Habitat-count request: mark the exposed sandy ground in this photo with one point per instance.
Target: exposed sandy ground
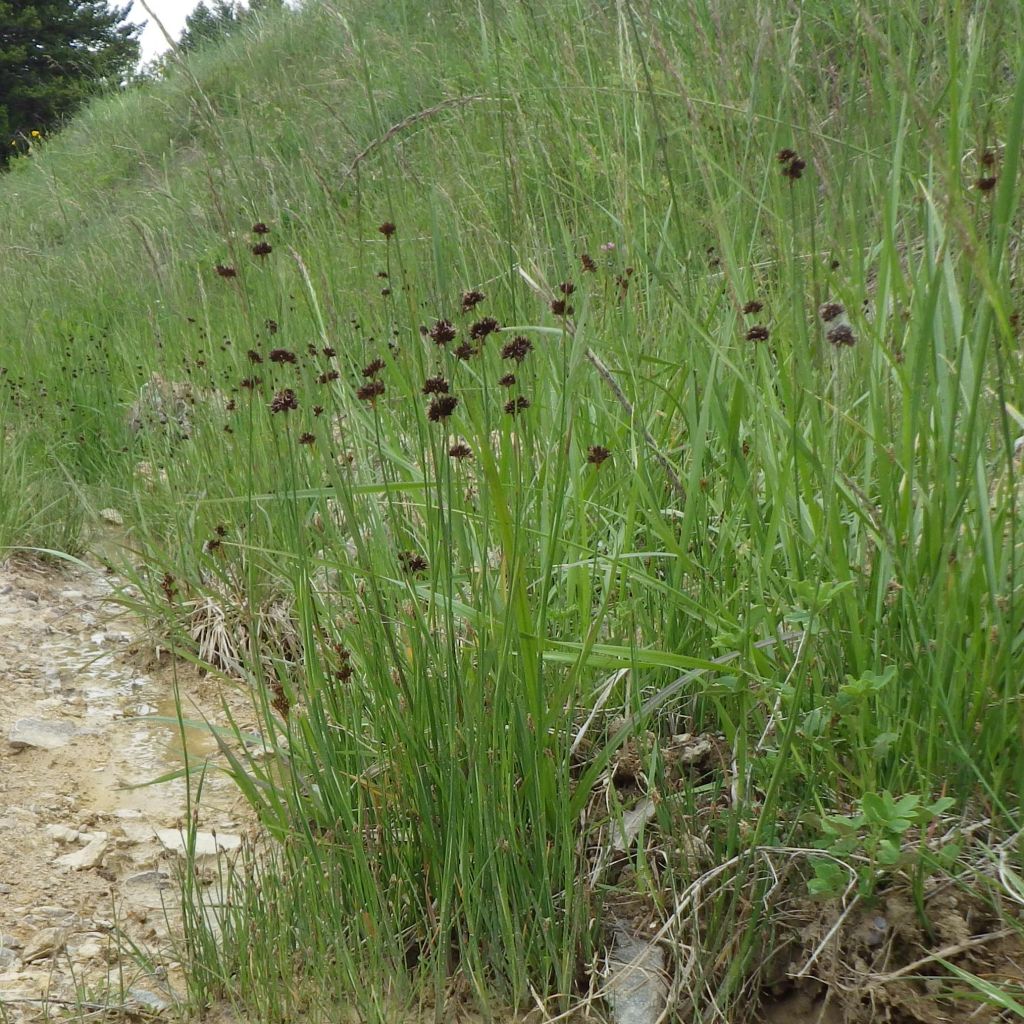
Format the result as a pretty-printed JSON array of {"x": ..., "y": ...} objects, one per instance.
[{"x": 81, "y": 865}]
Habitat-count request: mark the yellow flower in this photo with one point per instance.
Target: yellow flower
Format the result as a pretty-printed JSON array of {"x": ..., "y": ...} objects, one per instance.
[{"x": 35, "y": 134}]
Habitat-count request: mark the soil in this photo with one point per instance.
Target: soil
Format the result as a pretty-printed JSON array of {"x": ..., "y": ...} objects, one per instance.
[{"x": 87, "y": 886}]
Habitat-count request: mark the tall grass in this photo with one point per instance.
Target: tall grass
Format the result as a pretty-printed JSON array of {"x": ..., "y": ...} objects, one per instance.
[{"x": 805, "y": 547}]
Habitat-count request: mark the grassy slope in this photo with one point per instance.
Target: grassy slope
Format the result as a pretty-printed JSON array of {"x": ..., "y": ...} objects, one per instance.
[{"x": 859, "y": 495}]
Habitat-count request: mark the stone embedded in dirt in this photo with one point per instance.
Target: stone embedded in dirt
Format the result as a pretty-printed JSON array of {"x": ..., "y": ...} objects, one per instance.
[
  {"x": 62, "y": 833},
  {"x": 146, "y": 878},
  {"x": 111, "y": 516},
  {"x": 40, "y": 733},
  {"x": 207, "y": 844},
  {"x": 8, "y": 958},
  {"x": 90, "y": 856},
  {"x": 45, "y": 943},
  {"x": 637, "y": 986},
  {"x": 150, "y": 1000}
]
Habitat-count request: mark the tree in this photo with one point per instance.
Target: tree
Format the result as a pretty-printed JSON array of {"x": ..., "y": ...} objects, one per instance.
[
  {"x": 54, "y": 54},
  {"x": 219, "y": 19}
]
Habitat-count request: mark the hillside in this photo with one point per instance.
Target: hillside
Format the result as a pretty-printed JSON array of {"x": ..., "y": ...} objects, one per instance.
[{"x": 589, "y": 434}]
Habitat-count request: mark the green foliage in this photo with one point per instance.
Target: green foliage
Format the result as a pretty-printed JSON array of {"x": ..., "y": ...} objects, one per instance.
[
  {"x": 54, "y": 54},
  {"x": 808, "y": 547}
]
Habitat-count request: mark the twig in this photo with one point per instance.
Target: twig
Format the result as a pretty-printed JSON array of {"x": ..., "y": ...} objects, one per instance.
[{"x": 943, "y": 954}]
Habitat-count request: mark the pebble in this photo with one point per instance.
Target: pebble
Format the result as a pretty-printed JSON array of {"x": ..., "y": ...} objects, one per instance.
[
  {"x": 89, "y": 856},
  {"x": 45, "y": 943}
]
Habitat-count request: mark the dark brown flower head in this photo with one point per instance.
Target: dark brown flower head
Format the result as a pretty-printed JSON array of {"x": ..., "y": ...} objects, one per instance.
[
  {"x": 441, "y": 408},
  {"x": 412, "y": 563},
  {"x": 372, "y": 391},
  {"x": 471, "y": 298},
  {"x": 383, "y": 275},
  {"x": 329, "y": 353},
  {"x": 988, "y": 158},
  {"x": 508, "y": 380},
  {"x": 830, "y": 310},
  {"x": 221, "y": 530},
  {"x": 435, "y": 386},
  {"x": 561, "y": 308},
  {"x": 307, "y": 438},
  {"x": 442, "y": 332},
  {"x": 754, "y": 306},
  {"x": 567, "y": 287},
  {"x": 284, "y": 401},
  {"x": 259, "y": 228},
  {"x": 327, "y": 376},
  {"x": 168, "y": 587},
  {"x": 250, "y": 383},
  {"x": 282, "y": 356},
  {"x": 372, "y": 368},
  {"x": 230, "y": 405},
  {"x": 841, "y": 335},
  {"x": 480, "y": 330},
  {"x": 986, "y": 184},
  {"x": 271, "y": 326},
  {"x": 795, "y": 168},
  {"x": 518, "y": 348},
  {"x": 465, "y": 351},
  {"x": 514, "y": 406},
  {"x": 318, "y": 410},
  {"x": 387, "y": 229},
  {"x": 385, "y": 292},
  {"x": 460, "y": 451},
  {"x": 224, "y": 271},
  {"x": 597, "y": 453},
  {"x": 588, "y": 265},
  {"x": 262, "y": 249},
  {"x": 253, "y": 356},
  {"x": 785, "y": 155},
  {"x": 757, "y": 333}
]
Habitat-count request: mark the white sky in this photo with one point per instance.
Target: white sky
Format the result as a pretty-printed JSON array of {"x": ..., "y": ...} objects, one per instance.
[{"x": 171, "y": 12}]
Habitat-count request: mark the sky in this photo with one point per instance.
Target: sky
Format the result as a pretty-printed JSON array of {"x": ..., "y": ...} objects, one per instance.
[{"x": 171, "y": 12}]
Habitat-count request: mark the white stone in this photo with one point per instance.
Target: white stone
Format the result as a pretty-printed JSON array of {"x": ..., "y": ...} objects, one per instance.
[
  {"x": 89, "y": 856},
  {"x": 38, "y": 732},
  {"x": 207, "y": 844}
]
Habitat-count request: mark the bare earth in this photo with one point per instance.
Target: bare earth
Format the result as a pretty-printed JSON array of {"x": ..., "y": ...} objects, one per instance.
[{"x": 82, "y": 867}]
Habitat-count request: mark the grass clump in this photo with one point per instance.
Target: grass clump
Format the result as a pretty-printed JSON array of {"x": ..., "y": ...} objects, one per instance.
[{"x": 599, "y": 461}]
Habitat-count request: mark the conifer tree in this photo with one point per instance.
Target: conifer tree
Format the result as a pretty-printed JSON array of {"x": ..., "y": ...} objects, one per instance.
[{"x": 54, "y": 54}]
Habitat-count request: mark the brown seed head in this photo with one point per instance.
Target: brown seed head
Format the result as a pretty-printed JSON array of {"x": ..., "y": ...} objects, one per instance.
[
  {"x": 471, "y": 299},
  {"x": 441, "y": 408},
  {"x": 757, "y": 333},
  {"x": 442, "y": 332},
  {"x": 483, "y": 327},
  {"x": 754, "y": 306},
  {"x": 387, "y": 229},
  {"x": 435, "y": 386},
  {"x": 284, "y": 401},
  {"x": 597, "y": 453},
  {"x": 830, "y": 310},
  {"x": 841, "y": 335},
  {"x": 372, "y": 391}
]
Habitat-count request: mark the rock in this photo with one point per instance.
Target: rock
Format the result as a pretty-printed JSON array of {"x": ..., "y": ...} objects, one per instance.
[
  {"x": 8, "y": 958},
  {"x": 148, "y": 999},
  {"x": 5, "y": 889},
  {"x": 40, "y": 733},
  {"x": 62, "y": 833},
  {"x": 207, "y": 844},
  {"x": 637, "y": 986},
  {"x": 145, "y": 879},
  {"x": 90, "y": 856},
  {"x": 45, "y": 943},
  {"x": 72, "y": 595},
  {"x": 111, "y": 516},
  {"x": 91, "y": 949}
]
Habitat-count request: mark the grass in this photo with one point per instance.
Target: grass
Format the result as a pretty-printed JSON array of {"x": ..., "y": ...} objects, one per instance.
[{"x": 804, "y": 550}]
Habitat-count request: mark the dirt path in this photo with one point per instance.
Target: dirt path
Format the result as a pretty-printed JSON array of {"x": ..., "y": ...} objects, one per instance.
[{"x": 84, "y": 862}]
